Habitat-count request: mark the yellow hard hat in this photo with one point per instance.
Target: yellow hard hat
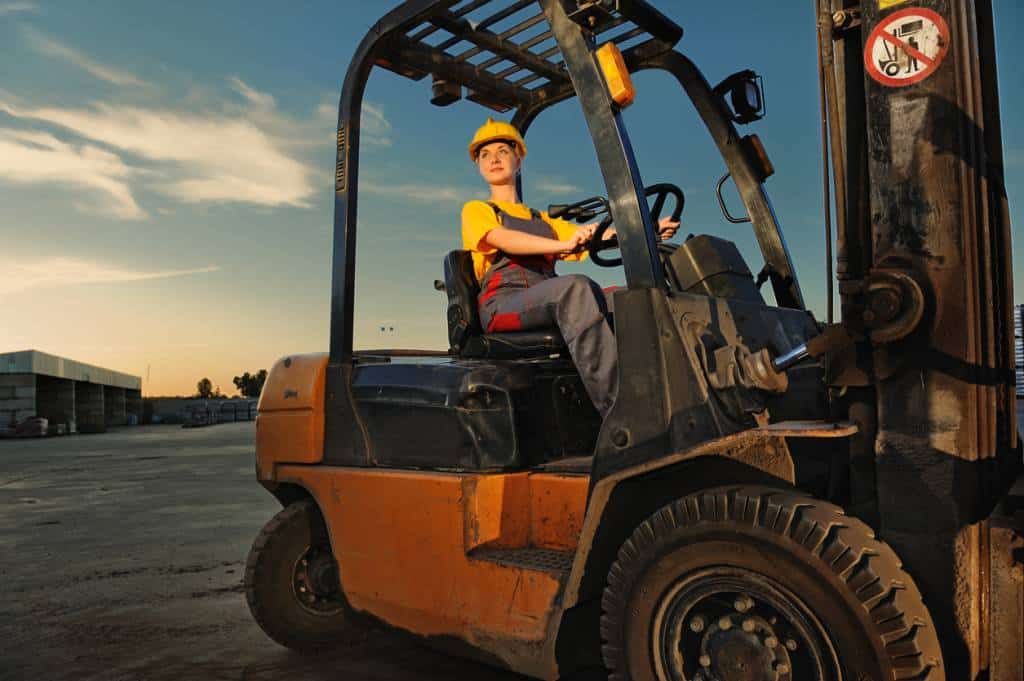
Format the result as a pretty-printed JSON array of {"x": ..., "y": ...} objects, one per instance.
[{"x": 497, "y": 131}]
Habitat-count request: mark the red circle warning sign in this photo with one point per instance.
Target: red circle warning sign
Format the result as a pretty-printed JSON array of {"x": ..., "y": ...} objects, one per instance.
[{"x": 906, "y": 47}]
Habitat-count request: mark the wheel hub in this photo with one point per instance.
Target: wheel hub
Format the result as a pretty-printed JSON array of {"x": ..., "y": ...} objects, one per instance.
[
  {"x": 729, "y": 624},
  {"x": 315, "y": 582},
  {"x": 745, "y": 649}
]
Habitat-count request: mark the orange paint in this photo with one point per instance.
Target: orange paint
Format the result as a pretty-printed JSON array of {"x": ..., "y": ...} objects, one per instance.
[
  {"x": 402, "y": 540},
  {"x": 557, "y": 506},
  {"x": 290, "y": 419}
]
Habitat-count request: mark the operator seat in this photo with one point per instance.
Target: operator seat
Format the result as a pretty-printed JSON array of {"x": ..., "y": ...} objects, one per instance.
[{"x": 465, "y": 336}]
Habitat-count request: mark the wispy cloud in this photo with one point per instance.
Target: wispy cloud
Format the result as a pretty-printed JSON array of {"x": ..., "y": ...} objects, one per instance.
[
  {"x": 555, "y": 188},
  {"x": 15, "y": 7},
  {"x": 420, "y": 192},
  {"x": 204, "y": 156},
  {"x": 49, "y": 47},
  {"x": 49, "y": 272},
  {"x": 34, "y": 157},
  {"x": 260, "y": 100},
  {"x": 375, "y": 127}
]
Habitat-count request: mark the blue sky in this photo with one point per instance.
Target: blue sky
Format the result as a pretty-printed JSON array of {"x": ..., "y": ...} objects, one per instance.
[{"x": 166, "y": 173}]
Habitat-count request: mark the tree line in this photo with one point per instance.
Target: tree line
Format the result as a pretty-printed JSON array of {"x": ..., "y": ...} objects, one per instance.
[{"x": 249, "y": 385}]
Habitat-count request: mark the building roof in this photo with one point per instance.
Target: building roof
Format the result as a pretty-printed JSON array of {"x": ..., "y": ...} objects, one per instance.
[{"x": 35, "y": 362}]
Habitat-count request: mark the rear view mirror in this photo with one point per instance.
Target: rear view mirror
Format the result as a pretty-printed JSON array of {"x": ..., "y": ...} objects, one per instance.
[{"x": 743, "y": 94}]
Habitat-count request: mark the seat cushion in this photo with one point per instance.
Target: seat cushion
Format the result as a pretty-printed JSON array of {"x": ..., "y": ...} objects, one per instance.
[{"x": 518, "y": 345}]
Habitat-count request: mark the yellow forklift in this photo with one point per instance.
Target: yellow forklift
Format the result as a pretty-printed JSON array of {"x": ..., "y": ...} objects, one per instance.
[{"x": 771, "y": 497}]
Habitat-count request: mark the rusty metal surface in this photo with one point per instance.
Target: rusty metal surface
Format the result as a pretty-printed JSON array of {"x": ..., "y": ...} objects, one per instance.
[
  {"x": 944, "y": 446},
  {"x": 122, "y": 557},
  {"x": 1007, "y": 595}
]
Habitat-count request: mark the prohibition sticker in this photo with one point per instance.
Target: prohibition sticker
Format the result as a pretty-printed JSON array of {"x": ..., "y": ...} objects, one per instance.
[{"x": 906, "y": 47}]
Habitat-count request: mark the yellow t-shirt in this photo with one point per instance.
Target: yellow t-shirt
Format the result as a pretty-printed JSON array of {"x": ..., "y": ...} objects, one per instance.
[{"x": 478, "y": 218}]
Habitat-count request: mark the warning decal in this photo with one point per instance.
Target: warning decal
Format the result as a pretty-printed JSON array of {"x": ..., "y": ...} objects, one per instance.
[{"x": 906, "y": 47}]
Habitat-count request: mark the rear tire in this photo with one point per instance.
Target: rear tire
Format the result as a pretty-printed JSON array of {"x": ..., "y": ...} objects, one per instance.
[
  {"x": 759, "y": 584},
  {"x": 292, "y": 584}
]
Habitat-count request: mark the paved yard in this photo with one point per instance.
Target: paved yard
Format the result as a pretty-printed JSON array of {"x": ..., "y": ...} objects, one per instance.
[{"x": 121, "y": 557}]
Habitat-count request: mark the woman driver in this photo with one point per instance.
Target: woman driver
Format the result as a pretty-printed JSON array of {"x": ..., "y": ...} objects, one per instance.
[{"x": 514, "y": 252}]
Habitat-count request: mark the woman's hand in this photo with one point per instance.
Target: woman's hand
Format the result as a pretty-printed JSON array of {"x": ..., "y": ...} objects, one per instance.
[
  {"x": 667, "y": 228},
  {"x": 580, "y": 238}
]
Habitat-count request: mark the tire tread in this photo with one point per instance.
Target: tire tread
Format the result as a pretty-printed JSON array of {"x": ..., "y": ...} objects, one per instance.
[{"x": 824, "y": 534}]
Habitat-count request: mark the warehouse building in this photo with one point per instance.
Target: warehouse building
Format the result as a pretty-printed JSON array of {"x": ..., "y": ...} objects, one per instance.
[{"x": 72, "y": 396}]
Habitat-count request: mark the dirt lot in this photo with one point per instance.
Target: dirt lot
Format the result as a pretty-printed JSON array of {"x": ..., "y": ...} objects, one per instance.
[{"x": 121, "y": 558}]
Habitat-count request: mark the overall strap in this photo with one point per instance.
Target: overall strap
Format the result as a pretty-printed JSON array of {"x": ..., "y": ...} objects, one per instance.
[{"x": 498, "y": 212}]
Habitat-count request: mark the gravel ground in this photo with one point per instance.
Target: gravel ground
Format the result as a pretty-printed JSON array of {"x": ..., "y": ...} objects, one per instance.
[{"x": 121, "y": 558}]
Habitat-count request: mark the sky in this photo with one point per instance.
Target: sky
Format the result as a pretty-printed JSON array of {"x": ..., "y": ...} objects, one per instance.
[{"x": 166, "y": 174}]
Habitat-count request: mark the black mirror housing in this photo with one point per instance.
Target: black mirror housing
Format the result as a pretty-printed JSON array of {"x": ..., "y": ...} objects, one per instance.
[{"x": 743, "y": 94}]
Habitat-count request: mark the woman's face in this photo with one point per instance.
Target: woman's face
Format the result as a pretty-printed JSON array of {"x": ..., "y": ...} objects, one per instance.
[{"x": 498, "y": 163}]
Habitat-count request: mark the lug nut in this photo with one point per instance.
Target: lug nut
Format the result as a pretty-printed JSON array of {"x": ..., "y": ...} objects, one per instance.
[
  {"x": 725, "y": 624},
  {"x": 749, "y": 625},
  {"x": 743, "y": 603},
  {"x": 771, "y": 642},
  {"x": 790, "y": 644},
  {"x": 697, "y": 624},
  {"x": 705, "y": 661}
]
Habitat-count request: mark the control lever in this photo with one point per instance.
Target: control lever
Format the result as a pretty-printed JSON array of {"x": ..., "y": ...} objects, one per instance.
[{"x": 829, "y": 340}]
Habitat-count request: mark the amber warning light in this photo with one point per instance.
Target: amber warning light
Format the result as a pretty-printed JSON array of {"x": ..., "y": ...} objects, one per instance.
[{"x": 616, "y": 75}]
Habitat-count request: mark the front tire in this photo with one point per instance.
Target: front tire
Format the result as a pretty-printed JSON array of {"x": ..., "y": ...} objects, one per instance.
[
  {"x": 292, "y": 584},
  {"x": 761, "y": 584}
]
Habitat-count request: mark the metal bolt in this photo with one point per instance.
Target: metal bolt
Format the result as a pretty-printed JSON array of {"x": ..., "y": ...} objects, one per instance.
[
  {"x": 305, "y": 563},
  {"x": 725, "y": 624},
  {"x": 782, "y": 668},
  {"x": 771, "y": 642},
  {"x": 743, "y": 603},
  {"x": 302, "y": 589},
  {"x": 620, "y": 438},
  {"x": 749, "y": 625},
  {"x": 839, "y": 19},
  {"x": 705, "y": 661},
  {"x": 790, "y": 644},
  {"x": 697, "y": 624}
]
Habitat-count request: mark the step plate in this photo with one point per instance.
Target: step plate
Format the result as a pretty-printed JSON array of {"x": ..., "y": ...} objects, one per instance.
[{"x": 543, "y": 560}]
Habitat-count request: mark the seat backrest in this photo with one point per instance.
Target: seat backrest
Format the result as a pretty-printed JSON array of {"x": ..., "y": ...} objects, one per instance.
[{"x": 463, "y": 289}]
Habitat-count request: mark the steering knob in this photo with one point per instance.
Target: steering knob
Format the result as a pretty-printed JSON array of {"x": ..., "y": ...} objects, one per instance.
[{"x": 660, "y": 192}]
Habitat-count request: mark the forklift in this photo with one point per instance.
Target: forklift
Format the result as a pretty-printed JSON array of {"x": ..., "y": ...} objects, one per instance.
[{"x": 771, "y": 497}]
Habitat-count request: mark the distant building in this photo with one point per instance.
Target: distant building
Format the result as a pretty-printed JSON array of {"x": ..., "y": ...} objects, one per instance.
[
  {"x": 1018, "y": 344},
  {"x": 72, "y": 396}
]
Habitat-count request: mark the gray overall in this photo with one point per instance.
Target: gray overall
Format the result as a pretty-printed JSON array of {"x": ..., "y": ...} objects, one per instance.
[{"x": 523, "y": 293}]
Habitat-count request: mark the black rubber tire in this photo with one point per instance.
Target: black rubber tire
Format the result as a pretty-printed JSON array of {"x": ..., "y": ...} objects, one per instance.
[
  {"x": 269, "y": 589},
  {"x": 853, "y": 583}
]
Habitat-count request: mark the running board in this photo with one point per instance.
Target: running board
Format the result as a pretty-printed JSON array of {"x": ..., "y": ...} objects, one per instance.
[{"x": 541, "y": 560}]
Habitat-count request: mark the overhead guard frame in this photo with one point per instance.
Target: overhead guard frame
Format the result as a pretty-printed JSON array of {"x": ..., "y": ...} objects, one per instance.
[{"x": 501, "y": 74}]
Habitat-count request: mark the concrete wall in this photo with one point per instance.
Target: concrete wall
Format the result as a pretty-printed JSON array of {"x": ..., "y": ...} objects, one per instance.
[
  {"x": 89, "y": 409},
  {"x": 55, "y": 401},
  {"x": 184, "y": 410},
  {"x": 17, "y": 398}
]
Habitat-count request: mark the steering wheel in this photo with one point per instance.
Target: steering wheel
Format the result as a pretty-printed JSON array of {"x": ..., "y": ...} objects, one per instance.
[{"x": 660, "y": 191}]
